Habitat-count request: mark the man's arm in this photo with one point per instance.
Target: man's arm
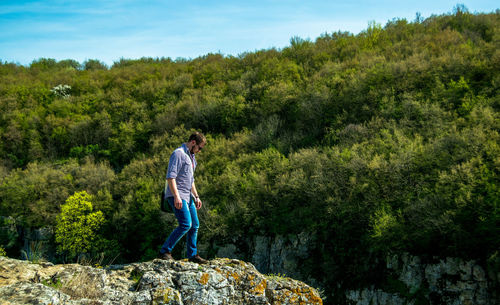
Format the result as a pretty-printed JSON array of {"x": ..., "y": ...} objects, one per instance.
[
  {"x": 173, "y": 188},
  {"x": 197, "y": 200}
]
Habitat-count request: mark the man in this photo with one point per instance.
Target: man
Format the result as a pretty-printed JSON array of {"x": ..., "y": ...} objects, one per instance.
[{"x": 183, "y": 197}]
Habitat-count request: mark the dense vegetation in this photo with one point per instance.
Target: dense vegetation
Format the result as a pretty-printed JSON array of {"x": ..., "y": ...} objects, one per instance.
[{"x": 379, "y": 142}]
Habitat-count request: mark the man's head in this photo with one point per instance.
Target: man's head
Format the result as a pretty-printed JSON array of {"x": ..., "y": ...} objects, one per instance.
[{"x": 196, "y": 142}]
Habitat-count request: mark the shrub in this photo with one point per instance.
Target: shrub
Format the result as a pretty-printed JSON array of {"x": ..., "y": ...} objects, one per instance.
[{"x": 77, "y": 225}]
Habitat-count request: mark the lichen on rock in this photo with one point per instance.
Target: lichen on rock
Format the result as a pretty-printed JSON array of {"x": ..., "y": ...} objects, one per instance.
[{"x": 222, "y": 281}]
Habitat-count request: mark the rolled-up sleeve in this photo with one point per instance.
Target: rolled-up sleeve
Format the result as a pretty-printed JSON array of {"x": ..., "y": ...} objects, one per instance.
[{"x": 174, "y": 165}]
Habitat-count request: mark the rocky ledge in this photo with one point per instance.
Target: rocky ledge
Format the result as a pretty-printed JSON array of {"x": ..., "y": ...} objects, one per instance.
[{"x": 222, "y": 281}]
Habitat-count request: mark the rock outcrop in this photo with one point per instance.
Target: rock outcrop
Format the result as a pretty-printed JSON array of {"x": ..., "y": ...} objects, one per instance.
[
  {"x": 407, "y": 279},
  {"x": 447, "y": 281},
  {"x": 280, "y": 254},
  {"x": 222, "y": 281}
]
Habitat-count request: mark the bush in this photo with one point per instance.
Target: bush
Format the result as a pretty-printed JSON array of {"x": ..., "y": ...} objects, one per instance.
[{"x": 77, "y": 229}]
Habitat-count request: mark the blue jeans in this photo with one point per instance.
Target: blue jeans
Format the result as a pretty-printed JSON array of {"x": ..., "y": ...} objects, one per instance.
[{"x": 188, "y": 223}]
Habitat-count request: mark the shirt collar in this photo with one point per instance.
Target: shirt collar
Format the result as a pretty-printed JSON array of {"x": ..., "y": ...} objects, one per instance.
[
  {"x": 186, "y": 150},
  {"x": 191, "y": 156},
  {"x": 184, "y": 146}
]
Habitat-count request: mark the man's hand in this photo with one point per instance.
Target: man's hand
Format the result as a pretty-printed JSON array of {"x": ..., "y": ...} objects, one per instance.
[
  {"x": 198, "y": 203},
  {"x": 178, "y": 202}
]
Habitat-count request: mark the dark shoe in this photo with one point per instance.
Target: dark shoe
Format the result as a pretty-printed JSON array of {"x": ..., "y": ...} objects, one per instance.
[
  {"x": 197, "y": 259},
  {"x": 166, "y": 256}
]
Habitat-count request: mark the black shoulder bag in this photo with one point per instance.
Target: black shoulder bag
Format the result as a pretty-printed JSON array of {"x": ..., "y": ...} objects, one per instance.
[{"x": 164, "y": 205}]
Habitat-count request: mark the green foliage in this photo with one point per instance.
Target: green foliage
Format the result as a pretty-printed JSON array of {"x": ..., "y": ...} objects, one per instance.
[
  {"x": 77, "y": 229},
  {"x": 383, "y": 222},
  {"x": 9, "y": 236},
  {"x": 94, "y": 64},
  {"x": 34, "y": 195},
  {"x": 53, "y": 282},
  {"x": 277, "y": 277},
  {"x": 136, "y": 277},
  {"x": 2, "y": 251},
  {"x": 35, "y": 253},
  {"x": 44, "y": 64}
]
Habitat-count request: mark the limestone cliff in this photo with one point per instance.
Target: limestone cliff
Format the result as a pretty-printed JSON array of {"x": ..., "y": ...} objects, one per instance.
[
  {"x": 222, "y": 281},
  {"x": 445, "y": 281}
]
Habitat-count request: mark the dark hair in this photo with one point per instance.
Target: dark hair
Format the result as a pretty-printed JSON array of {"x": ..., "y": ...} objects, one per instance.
[{"x": 198, "y": 137}]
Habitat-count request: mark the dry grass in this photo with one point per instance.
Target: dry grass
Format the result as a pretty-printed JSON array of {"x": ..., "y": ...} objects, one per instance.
[{"x": 84, "y": 284}]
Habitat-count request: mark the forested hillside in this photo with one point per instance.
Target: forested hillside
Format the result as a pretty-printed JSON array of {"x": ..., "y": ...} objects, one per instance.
[{"x": 385, "y": 141}]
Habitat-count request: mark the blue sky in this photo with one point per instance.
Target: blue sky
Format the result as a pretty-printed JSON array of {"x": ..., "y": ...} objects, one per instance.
[{"x": 108, "y": 30}]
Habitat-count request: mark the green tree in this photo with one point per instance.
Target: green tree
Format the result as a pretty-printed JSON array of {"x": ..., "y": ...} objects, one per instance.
[
  {"x": 94, "y": 64},
  {"x": 77, "y": 229}
]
